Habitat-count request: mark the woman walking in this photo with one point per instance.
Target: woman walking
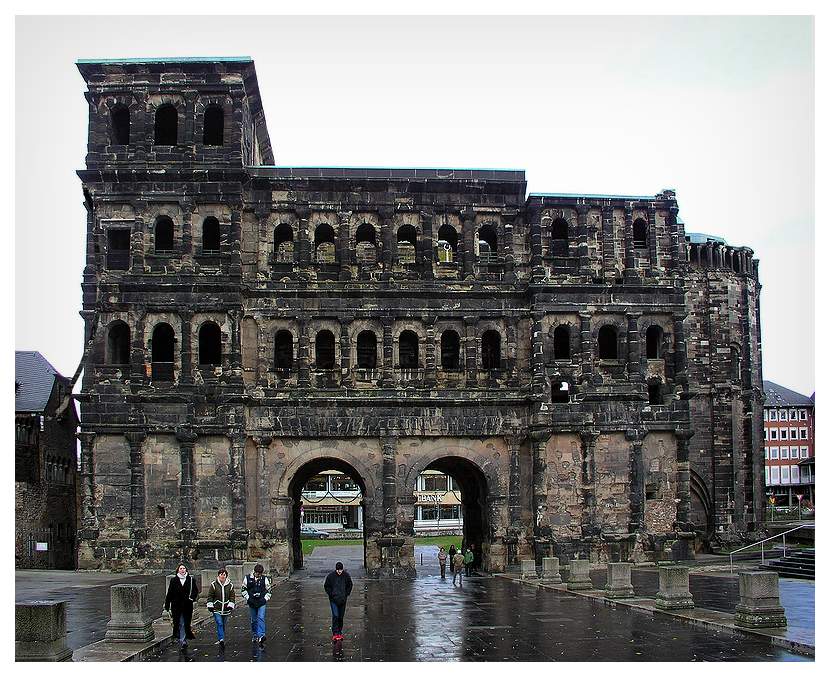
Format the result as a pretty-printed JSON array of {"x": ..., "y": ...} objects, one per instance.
[
  {"x": 452, "y": 558},
  {"x": 442, "y": 561},
  {"x": 181, "y": 594},
  {"x": 221, "y": 600}
]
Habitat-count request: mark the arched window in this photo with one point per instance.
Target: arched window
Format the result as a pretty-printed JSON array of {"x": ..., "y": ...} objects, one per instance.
[
  {"x": 210, "y": 344},
  {"x": 736, "y": 262},
  {"x": 447, "y": 244},
  {"x": 324, "y": 350},
  {"x": 164, "y": 234},
  {"x": 365, "y": 244},
  {"x": 559, "y": 237},
  {"x": 562, "y": 342},
  {"x": 167, "y": 125},
  {"x": 655, "y": 393},
  {"x": 283, "y": 350},
  {"x": 324, "y": 244},
  {"x": 407, "y": 238},
  {"x": 367, "y": 350},
  {"x": 640, "y": 233},
  {"x": 487, "y": 244},
  {"x": 161, "y": 352},
  {"x": 284, "y": 243},
  {"x": 121, "y": 125},
  {"x": 607, "y": 342},
  {"x": 560, "y": 392},
  {"x": 118, "y": 343},
  {"x": 408, "y": 349},
  {"x": 450, "y": 350},
  {"x": 654, "y": 340},
  {"x": 214, "y": 126},
  {"x": 491, "y": 350},
  {"x": 210, "y": 235}
]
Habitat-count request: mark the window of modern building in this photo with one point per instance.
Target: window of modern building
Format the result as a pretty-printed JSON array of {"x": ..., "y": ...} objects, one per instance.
[
  {"x": 324, "y": 250},
  {"x": 794, "y": 474},
  {"x": 640, "y": 231},
  {"x": 118, "y": 343},
  {"x": 214, "y": 131},
  {"x": 802, "y": 414},
  {"x": 451, "y": 512},
  {"x": 120, "y": 125},
  {"x": 118, "y": 249},
  {"x": 434, "y": 482},
  {"x": 766, "y": 453},
  {"x": 766, "y": 475},
  {"x": 654, "y": 341},
  {"x": 317, "y": 483},
  {"x": 167, "y": 126},
  {"x": 773, "y": 453},
  {"x": 408, "y": 350},
  {"x": 805, "y": 452},
  {"x": 562, "y": 342},
  {"x": 210, "y": 344},
  {"x": 785, "y": 453},
  {"x": 793, "y": 433},
  {"x": 793, "y": 414},
  {"x": 450, "y": 350},
  {"x": 785, "y": 474},
  {"x": 559, "y": 237},
  {"x": 164, "y": 234},
  {"x": 773, "y": 433},
  {"x": 407, "y": 238},
  {"x": 210, "y": 235},
  {"x": 284, "y": 243},
  {"x": 782, "y": 414},
  {"x": 491, "y": 350},
  {"x": 607, "y": 342},
  {"x": 324, "y": 350},
  {"x": 283, "y": 350},
  {"x": 367, "y": 350},
  {"x": 366, "y": 244},
  {"x": 775, "y": 474},
  {"x": 341, "y": 482},
  {"x": 782, "y": 434},
  {"x": 773, "y": 415}
]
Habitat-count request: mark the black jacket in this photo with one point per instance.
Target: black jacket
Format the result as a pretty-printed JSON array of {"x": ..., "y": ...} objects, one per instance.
[
  {"x": 179, "y": 595},
  {"x": 338, "y": 587}
]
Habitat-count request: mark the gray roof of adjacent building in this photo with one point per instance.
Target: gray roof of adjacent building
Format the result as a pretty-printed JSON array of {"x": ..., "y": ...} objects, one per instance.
[
  {"x": 779, "y": 396},
  {"x": 34, "y": 379}
]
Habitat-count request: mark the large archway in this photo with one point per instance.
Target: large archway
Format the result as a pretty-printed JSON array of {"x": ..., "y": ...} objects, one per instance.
[{"x": 301, "y": 477}]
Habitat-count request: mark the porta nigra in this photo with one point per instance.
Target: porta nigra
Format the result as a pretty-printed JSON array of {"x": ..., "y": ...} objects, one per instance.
[{"x": 587, "y": 371}]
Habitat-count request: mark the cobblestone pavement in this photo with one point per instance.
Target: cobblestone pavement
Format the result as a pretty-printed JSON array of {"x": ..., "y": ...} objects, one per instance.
[{"x": 428, "y": 619}]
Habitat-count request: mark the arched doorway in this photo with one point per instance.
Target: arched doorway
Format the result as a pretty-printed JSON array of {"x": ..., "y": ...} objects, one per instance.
[
  {"x": 320, "y": 467},
  {"x": 471, "y": 484}
]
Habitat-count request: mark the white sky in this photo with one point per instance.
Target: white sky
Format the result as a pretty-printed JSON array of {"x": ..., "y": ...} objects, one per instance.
[{"x": 719, "y": 108}]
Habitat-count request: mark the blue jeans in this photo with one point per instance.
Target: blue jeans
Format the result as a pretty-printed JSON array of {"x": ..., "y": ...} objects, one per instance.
[
  {"x": 182, "y": 631},
  {"x": 220, "y": 625},
  {"x": 257, "y": 621},
  {"x": 338, "y": 611}
]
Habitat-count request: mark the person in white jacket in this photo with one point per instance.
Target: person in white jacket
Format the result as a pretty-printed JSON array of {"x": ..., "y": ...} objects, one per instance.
[
  {"x": 257, "y": 591},
  {"x": 221, "y": 600}
]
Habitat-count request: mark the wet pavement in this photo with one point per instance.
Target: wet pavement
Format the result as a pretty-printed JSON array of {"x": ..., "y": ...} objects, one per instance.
[{"x": 488, "y": 619}]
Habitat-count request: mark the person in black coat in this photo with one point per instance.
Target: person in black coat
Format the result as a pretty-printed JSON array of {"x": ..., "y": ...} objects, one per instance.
[
  {"x": 182, "y": 592},
  {"x": 338, "y": 587}
]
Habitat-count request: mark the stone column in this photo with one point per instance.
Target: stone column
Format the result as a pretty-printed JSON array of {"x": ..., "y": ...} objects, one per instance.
[
  {"x": 630, "y": 271},
  {"x": 467, "y": 242},
  {"x": 608, "y": 254},
  {"x": 683, "y": 483},
  {"x": 509, "y": 259},
  {"x": 235, "y": 242},
  {"x": 130, "y": 617},
  {"x": 187, "y": 233},
  {"x": 636, "y": 481},
  {"x": 138, "y": 520},
  {"x": 680, "y": 358},
  {"x": 585, "y": 345},
  {"x": 138, "y": 370},
  {"x": 387, "y": 238},
  {"x": 263, "y": 504},
  {"x": 537, "y": 268},
  {"x": 187, "y": 440},
  {"x": 677, "y": 246},
  {"x": 186, "y": 376},
  {"x": 426, "y": 247},
  {"x": 390, "y": 485},
  {"x": 345, "y": 245},
  {"x": 387, "y": 379},
  {"x": 634, "y": 373},
  {"x": 235, "y": 318},
  {"x": 514, "y": 501},
  {"x": 550, "y": 570},
  {"x": 89, "y": 520},
  {"x": 510, "y": 354},
  {"x": 652, "y": 243},
  {"x": 759, "y": 605},
  {"x": 588, "y": 439},
  {"x": 618, "y": 585},
  {"x": 471, "y": 350},
  {"x": 305, "y": 239},
  {"x": 345, "y": 351},
  {"x": 40, "y": 632},
  {"x": 538, "y": 380},
  {"x": 582, "y": 250},
  {"x": 674, "y": 589},
  {"x": 579, "y": 577},
  {"x": 137, "y": 242},
  {"x": 303, "y": 370},
  {"x": 540, "y": 466},
  {"x": 430, "y": 367},
  {"x": 237, "y": 482}
]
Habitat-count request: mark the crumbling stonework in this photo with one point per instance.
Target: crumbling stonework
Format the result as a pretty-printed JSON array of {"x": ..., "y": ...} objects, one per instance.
[{"x": 554, "y": 353}]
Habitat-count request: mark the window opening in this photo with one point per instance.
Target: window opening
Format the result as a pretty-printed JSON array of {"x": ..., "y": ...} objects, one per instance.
[
  {"x": 655, "y": 393},
  {"x": 559, "y": 237},
  {"x": 164, "y": 234},
  {"x": 487, "y": 244},
  {"x": 210, "y": 235},
  {"x": 640, "y": 233},
  {"x": 407, "y": 238},
  {"x": 121, "y": 125},
  {"x": 491, "y": 350},
  {"x": 562, "y": 342},
  {"x": 118, "y": 343},
  {"x": 214, "y": 126},
  {"x": 210, "y": 344},
  {"x": 607, "y": 342},
  {"x": 560, "y": 392},
  {"x": 450, "y": 350},
  {"x": 324, "y": 243},
  {"x": 408, "y": 350},
  {"x": 324, "y": 350},
  {"x": 118, "y": 249},
  {"x": 283, "y": 350},
  {"x": 447, "y": 243},
  {"x": 167, "y": 123},
  {"x": 367, "y": 350},
  {"x": 284, "y": 243},
  {"x": 654, "y": 339}
]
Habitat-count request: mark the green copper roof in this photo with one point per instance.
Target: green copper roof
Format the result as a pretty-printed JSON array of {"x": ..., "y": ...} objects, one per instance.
[{"x": 171, "y": 59}]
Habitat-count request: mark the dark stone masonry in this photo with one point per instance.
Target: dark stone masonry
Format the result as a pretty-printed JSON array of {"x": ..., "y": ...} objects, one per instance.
[{"x": 587, "y": 371}]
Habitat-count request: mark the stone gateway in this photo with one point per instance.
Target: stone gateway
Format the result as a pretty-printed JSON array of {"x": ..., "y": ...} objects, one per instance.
[{"x": 587, "y": 371}]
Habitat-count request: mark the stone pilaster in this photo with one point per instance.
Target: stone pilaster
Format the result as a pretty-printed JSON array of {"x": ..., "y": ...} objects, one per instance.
[
  {"x": 633, "y": 336},
  {"x": 386, "y": 235},
  {"x": 683, "y": 481},
  {"x": 430, "y": 368},
  {"x": 652, "y": 242},
  {"x": 471, "y": 350},
  {"x": 588, "y": 439},
  {"x": 345, "y": 351},
  {"x": 540, "y": 466},
  {"x": 586, "y": 354},
  {"x": 89, "y": 518},
  {"x": 608, "y": 250},
  {"x": 186, "y": 376},
  {"x": 509, "y": 258},
  {"x": 537, "y": 268},
  {"x": 390, "y": 486},
  {"x": 303, "y": 369},
  {"x": 138, "y": 371},
  {"x": 187, "y": 440},
  {"x": 137, "y": 243},
  {"x": 514, "y": 501},
  {"x": 138, "y": 520},
  {"x": 237, "y": 482},
  {"x": 636, "y": 481},
  {"x": 305, "y": 239},
  {"x": 630, "y": 272},
  {"x": 263, "y": 503},
  {"x": 582, "y": 250},
  {"x": 235, "y": 241},
  {"x": 426, "y": 252},
  {"x": 345, "y": 246},
  {"x": 387, "y": 375}
]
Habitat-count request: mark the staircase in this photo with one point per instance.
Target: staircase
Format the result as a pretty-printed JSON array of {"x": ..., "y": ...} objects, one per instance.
[{"x": 798, "y": 564}]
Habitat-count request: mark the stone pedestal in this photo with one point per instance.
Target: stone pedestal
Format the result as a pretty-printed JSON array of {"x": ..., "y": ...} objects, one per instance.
[
  {"x": 674, "y": 589},
  {"x": 529, "y": 568},
  {"x": 550, "y": 570},
  {"x": 579, "y": 577},
  {"x": 130, "y": 617},
  {"x": 618, "y": 583},
  {"x": 759, "y": 605},
  {"x": 40, "y": 632}
]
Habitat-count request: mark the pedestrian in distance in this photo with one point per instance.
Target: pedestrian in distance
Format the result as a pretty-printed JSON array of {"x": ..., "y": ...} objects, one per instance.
[
  {"x": 452, "y": 557},
  {"x": 468, "y": 561},
  {"x": 458, "y": 568},
  {"x": 182, "y": 592},
  {"x": 257, "y": 591},
  {"x": 338, "y": 587},
  {"x": 442, "y": 561},
  {"x": 221, "y": 600}
]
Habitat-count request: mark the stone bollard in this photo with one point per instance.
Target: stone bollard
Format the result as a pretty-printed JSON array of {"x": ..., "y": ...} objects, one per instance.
[
  {"x": 529, "y": 568},
  {"x": 130, "y": 617},
  {"x": 618, "y": 583},
  {"x": 674, "y": 589},
  {"x": 759, "y": 605},
  {"x": 550, "y": 570},
  {"x": 579, "y": 578},
  {"x": 40, "y": 632}
]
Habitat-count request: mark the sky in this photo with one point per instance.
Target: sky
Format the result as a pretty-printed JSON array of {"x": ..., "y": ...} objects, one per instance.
[{"x": 721, "y": 109}]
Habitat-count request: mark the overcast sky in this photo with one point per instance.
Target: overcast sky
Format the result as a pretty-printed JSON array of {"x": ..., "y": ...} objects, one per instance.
[{"x": 720, "y": 109}]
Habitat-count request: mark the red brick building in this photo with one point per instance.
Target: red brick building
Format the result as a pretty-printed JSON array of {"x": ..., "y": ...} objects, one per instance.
[{"x": 789, "y": 447}]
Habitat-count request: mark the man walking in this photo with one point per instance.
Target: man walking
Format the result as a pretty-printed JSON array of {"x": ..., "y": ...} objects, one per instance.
[
  {"x": 338, "y": 587},
  {"x": 458, "y": 568},
  {"x": 257, "y": 591},
  {"x": 468, "y": 561},
  {"x": 442, "y": 561}
]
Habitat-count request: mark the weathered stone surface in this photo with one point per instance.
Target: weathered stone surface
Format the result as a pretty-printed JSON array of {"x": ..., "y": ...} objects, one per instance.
[
  {"x": 674, "y": 588},
  {"x": 579, "y": 575},
  {"x": 40, "y": 632},
  {"x": 529, "y": 568},
  {"x": 759, "y": 605},
  {"x": 618, "y": 581},
  {"x": 550, "y": 570},
  {"x": 131, "y": 620}
]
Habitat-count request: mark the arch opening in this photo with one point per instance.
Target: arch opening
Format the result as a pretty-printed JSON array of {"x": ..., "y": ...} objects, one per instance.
[
  {"x": 214, "y": 130},
  {"x": 121, "y": 125},
  {"x": 166, "y": 125}
]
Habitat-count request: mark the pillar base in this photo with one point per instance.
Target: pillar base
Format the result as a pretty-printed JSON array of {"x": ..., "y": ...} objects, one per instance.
[{"x": 749, "y": 617}]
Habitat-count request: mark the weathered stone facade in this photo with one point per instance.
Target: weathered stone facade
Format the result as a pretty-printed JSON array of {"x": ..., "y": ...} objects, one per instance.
[{"x": 282, "y": 321}]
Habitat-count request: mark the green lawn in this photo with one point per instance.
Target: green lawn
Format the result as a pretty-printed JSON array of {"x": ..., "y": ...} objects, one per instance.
[{"x": 310, "y": 543}]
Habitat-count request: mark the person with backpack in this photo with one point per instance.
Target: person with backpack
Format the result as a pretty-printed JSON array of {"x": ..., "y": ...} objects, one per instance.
[
  {"x": 257, "y": 591},
  {"x": 338, "y": 587},
  {"x": 221, "y": 600},
  {"x": 182, "y": 592}
]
